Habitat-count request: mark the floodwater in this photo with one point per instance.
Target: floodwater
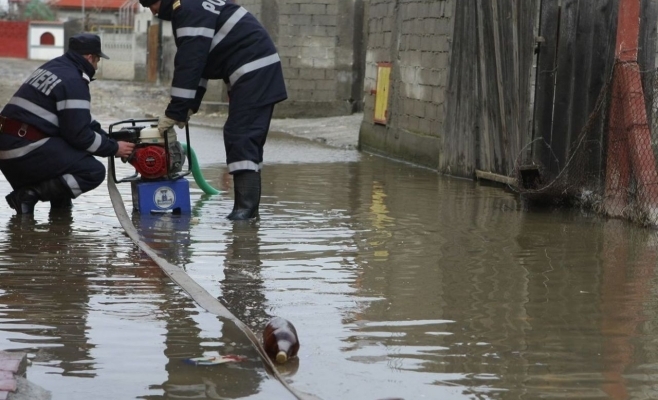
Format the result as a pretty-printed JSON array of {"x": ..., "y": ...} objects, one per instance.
[{"x": 401, "y": 284}]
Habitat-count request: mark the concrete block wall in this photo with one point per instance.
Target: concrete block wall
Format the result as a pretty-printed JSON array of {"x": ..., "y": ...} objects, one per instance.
[
  {"x": 380, "y": 22},
  {"x": 254, "y": 6},
  {"x": 316, "y": 42},
  {"x": 415, "y": 36},
  {"x": 308, "y": 48},
  {"x": 424, "y": 62}
]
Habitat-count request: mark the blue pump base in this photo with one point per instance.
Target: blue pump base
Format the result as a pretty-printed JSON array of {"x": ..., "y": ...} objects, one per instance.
[{"x": 166, "y": 196}]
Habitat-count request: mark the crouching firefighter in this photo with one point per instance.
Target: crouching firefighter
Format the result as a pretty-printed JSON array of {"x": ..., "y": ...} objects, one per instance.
[
  {"x": 48, "y": 138},
  {"x": 218, "y": 39}
]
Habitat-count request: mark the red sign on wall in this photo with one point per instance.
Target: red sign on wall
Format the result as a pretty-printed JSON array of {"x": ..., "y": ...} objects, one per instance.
[{"x": 14, "y": 38}]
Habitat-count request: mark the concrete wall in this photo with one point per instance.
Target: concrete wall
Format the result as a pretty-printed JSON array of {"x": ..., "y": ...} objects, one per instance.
[
  {"x": 319, "y": 43},
  {"x": 415, "y": 36},
  {"x": 142, "y": 21},
  {"x": 37, "y": 51}
]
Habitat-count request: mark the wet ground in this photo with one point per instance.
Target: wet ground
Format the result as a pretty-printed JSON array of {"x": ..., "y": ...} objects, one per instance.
[{"x": 401, "y": 283}]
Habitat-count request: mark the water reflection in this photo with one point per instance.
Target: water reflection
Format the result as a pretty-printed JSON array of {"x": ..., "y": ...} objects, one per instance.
[
  {"x": 45, "y": 293},
  {"x": 185, "y": 339},
  {"x": 628, "y": 262},
  {"x": 401, "y": 283},
  {"x": 242, "y": 286},
  {"x": 169, "y": 235}
]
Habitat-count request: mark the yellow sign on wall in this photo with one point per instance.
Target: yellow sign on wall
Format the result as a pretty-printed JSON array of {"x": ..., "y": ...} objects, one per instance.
[{"x": 381, "y": 93}]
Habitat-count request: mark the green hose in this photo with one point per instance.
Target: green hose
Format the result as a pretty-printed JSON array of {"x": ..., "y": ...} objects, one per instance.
[{"x": 196, "y": 173}]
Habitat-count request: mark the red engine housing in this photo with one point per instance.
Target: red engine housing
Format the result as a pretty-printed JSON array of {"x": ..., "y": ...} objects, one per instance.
[{"x": 150, "y": 161}]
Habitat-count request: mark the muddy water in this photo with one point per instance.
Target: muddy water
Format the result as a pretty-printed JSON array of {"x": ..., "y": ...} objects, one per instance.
[{"x": 401, "y": 283}]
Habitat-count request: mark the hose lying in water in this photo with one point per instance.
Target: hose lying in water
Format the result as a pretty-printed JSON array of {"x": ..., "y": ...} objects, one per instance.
[
  {"x": 204, "y": 299},
  {"x": 196, "y": 173}
]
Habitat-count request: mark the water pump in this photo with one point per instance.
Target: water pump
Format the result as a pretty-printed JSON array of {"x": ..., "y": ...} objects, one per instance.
[
  {"x": 158, "y": 184},
  {"x": 152, "y": 159}
]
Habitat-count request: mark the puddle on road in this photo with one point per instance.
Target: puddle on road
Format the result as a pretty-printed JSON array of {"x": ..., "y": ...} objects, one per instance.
[{"x": 400, "y": 283}]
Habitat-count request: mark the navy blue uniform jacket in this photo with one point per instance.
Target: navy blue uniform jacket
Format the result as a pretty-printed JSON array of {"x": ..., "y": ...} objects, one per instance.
[
  {"x": 216, "y": 39},
  {"x": 55, "y": 99}
]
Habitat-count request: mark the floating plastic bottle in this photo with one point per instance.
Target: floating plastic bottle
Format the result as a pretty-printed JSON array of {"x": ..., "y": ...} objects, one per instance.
[{"x": 280, "y": 340}]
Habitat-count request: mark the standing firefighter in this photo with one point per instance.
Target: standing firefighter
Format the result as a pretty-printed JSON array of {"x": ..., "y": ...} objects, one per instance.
[
  {"x": 48, "y": 137},
  {"x": 217, "y": 39}
]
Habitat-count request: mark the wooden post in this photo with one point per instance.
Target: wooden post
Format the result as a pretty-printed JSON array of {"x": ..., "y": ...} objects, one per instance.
[{"x": 152, "y": 56}]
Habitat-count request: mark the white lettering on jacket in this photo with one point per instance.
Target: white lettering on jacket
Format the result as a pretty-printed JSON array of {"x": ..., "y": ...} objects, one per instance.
[
  {"x": 211, "y": 5},
  {"x": 44, "y": 81}
]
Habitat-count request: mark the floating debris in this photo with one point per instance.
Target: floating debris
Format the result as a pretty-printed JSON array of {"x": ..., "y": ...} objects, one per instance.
[{"x": 214, "y": 358}]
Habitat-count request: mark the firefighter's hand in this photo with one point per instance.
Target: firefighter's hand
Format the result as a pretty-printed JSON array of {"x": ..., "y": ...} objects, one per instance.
[
  {"x": 164, "y": 123},
  {"x": 125, "y": 149}
]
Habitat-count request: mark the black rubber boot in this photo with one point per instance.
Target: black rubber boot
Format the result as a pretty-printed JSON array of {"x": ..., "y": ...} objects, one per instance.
[
  {"x": 60, "y": 220},
  {"x": 63, "y": 204},
  {"x": 24, "y": 199},
  {"x": 246, "y": 186}
]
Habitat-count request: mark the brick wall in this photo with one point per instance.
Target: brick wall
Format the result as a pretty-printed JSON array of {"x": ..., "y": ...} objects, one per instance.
[{"x": 14, "y": 38}]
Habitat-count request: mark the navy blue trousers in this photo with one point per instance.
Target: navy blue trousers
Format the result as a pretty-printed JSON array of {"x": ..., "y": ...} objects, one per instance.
[
  {"x": 245, "y": 132},
  {"x": 78, "y": 170}
]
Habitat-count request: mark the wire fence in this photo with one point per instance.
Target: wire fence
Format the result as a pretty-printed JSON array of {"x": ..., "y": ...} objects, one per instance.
[{"x": 611, "y": 167}]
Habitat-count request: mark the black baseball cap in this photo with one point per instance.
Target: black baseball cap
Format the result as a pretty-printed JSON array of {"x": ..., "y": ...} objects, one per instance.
[{"x": 86, "y": 43}]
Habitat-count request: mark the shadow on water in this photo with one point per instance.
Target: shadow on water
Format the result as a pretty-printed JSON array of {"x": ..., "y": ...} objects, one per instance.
[
  {"x": 82, "y": 309},
  {"x": 401, "y": 283}
]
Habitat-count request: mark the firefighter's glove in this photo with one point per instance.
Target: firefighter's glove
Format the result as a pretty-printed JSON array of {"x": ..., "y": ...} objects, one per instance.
[{"x": 164, "y": 123}]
